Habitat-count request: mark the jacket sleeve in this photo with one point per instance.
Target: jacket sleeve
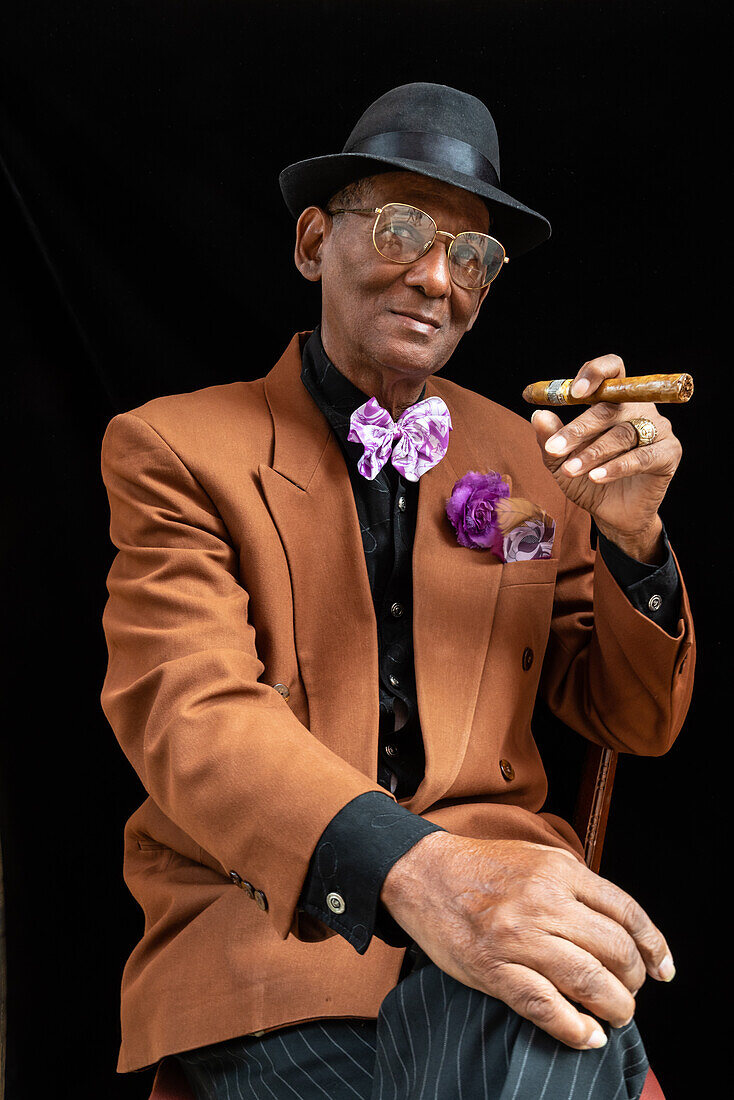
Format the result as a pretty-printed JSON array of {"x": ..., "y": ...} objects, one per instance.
[
  {"x": 217, "y": 750},
  {"x": 611, "y": 672}
]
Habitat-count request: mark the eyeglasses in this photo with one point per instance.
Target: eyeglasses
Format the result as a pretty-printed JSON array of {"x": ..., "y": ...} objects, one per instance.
[{"x": 404, "y": 233}]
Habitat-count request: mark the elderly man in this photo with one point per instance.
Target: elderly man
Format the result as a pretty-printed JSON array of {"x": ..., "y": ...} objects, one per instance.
[{"x": 324, "y": 651}]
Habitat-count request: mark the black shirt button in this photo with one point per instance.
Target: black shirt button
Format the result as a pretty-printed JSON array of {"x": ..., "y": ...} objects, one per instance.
[
  {"x": 394, "y": 681},
  {"x": 527, "y": 658},
  {"x": 402, "y": 503},
  {"x": 392, "y": 750},
  {"x": 397, "y": 610},
  {"x": 507, "y": 770}
]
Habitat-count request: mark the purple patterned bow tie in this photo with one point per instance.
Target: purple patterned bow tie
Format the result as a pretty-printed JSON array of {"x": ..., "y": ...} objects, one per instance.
[{"x": 420, "y": 437}]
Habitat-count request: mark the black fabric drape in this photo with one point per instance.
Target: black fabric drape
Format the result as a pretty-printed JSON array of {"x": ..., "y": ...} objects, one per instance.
[{"x": 146, "y": 250}]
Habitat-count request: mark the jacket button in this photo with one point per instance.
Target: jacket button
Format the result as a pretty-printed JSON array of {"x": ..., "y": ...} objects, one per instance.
[
  {"x": 243, "y": 884},
  {"x": 527, "y": 658},
  {"x": 282, "y": 690},
  {"x": 336, "y": 902},
  {"x": 507, "y": 770},
  {"x": 260, "y": 900}
]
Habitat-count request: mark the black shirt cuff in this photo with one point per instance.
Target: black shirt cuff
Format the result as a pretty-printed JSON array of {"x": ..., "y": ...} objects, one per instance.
[
  {"x": 654, "y": 590},
  {"x": 350, "y": 863}
]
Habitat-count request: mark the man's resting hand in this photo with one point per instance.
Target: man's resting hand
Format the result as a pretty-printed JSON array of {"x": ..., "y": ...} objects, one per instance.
[{"x": 530, "y": 925}]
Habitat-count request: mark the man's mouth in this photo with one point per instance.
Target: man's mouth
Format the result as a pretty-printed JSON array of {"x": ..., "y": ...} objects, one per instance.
[{"x": 422, "y": 322}]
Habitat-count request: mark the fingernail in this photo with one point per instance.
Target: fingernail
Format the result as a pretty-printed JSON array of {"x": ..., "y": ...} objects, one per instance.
[
  {"x": 666, "y": 970},
  {"x": 534, "y": 415},
  {"x": 597, "y": 1039},
  {"x": 599, "y": 474},
  {"x": 580, "y": 387},
  {"x": 556, "y": 445},
  {"x": 573, "y": 465}
]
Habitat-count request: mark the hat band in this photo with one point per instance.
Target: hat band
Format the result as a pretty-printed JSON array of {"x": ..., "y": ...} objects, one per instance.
[{"x": 436, "y": 149}]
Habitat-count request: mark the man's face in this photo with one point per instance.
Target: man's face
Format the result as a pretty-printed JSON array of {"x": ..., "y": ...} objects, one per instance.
[{"x": 403, "y": 320}]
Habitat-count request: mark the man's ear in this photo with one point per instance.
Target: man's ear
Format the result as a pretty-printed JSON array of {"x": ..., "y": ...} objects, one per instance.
[
  {"x": 312, "y": 229},
  {"x": 482, "y": 295}
]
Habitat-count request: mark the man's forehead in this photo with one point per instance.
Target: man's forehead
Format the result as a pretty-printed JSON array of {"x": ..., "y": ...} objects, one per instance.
[{"x": 404, "y": 186}]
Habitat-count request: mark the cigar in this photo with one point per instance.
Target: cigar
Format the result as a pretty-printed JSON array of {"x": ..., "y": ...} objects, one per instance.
[{"x": 675, "y": 388}]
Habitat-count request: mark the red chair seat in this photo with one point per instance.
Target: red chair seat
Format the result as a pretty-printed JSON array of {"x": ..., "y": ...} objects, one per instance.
[
  {"x": 651, "y": 1089},
  {"x": 170, "y": 1082}
]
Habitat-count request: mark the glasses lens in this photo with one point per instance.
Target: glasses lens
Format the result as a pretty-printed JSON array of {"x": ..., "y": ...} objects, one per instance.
[
  {"x": 475, "y": 259},
  {"x": 403, "y": 233}
]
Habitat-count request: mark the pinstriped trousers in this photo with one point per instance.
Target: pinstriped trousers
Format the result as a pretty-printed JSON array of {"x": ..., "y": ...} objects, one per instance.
[{"x": 434, "y": 1039}]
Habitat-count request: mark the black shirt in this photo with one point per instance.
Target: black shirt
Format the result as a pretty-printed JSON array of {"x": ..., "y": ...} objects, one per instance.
[
  {"x": 386, "y": 508},
  {"x": 369, "y": 835}
]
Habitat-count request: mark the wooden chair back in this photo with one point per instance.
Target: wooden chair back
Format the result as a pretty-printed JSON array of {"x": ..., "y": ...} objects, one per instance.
[{"x": 593, "y": 801}]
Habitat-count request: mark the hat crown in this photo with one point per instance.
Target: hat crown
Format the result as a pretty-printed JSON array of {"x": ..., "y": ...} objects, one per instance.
[{"x": 431, "y": 109}]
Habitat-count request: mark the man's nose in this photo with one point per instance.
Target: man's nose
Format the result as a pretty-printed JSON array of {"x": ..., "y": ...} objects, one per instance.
[{"x": 431, "y": 271}]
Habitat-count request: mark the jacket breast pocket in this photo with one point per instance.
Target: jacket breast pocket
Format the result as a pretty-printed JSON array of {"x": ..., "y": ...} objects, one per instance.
[{"x": 538, "y": 571}]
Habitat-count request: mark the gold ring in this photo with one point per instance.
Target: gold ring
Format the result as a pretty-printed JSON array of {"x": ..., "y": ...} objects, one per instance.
[{"x": 647, "y": 433}]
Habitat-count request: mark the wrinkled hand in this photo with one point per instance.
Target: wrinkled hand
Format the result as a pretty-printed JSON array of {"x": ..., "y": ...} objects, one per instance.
[
  {"x": 598, "y": 465},
  {"x": 530, "y": 925}
]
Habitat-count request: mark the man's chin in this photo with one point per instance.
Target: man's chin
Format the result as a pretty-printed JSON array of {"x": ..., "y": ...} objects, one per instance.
[
  {"x": 411, "y": 353},
  {"x": 412, "y": 360}
]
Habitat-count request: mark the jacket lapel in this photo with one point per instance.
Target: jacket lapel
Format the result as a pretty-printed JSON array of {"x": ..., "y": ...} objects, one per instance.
[
  {"x": 310, "y": 498},
  {"x": 454, "y": 595}
]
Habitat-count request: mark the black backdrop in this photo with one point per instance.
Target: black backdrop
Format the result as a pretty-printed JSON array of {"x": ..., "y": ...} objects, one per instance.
[{"x": 146, "y": 250}]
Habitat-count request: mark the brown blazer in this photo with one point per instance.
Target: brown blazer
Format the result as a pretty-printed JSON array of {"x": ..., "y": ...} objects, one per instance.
[{"x": 239, "y": 567}]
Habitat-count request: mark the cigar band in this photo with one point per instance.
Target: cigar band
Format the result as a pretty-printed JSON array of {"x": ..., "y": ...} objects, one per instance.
[{"x": 558, "y": 391}]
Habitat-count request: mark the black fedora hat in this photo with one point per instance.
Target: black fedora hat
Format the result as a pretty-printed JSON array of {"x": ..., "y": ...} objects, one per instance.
[{"x": 430, "y": 129}]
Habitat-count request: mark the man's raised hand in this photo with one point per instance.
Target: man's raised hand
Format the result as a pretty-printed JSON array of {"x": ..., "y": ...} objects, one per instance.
[{"x": 597, "y": 463}]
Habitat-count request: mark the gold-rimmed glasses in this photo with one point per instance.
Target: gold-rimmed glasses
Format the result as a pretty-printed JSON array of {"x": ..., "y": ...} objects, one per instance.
[{"x": 404, "y": 233}]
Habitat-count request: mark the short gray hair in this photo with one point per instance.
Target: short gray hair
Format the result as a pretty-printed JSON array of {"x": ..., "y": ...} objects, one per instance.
[{"x": 357, "y": 193}]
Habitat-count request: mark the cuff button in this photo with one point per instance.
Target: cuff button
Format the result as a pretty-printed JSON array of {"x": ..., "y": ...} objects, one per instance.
[
  {"x": 336, "y": 902},
  {"x": 260, "y": 900},
  {"x": 655, "y": 603}
]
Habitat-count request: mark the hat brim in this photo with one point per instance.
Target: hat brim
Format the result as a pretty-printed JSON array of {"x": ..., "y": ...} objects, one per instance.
[{"x": 312, "y": 182}]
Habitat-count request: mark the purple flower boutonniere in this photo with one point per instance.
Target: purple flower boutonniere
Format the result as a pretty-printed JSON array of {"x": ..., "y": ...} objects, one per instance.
[
  {"x": 485, "y": 517},
  {"x": 472, "y": 509}
]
